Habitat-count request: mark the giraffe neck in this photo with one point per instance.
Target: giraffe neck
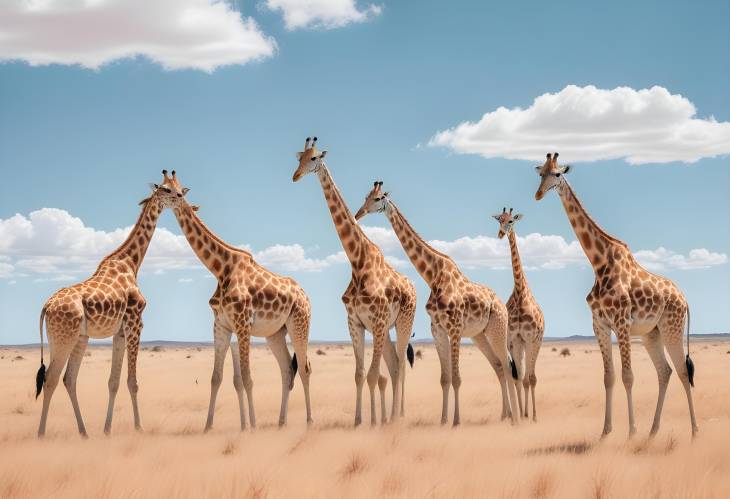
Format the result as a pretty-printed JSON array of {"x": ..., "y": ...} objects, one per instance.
[
  {"x": 353, "y": 239},
  {"x": 428, "y": 262},
  {"x": 593, "y": 239},
  {"x": 213, "y": 252},
  {"x": 519, "y": 275},
  {"x": 134, "y": 248}
]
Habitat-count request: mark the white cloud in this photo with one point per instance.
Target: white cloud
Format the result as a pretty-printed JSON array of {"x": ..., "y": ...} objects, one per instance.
[
  {"x": 177, "y": 34},
  {"x": 322, "y": 14},
  {"x": 51, "y": 245},
  {"x": 590, "y": 124},
  {"x": 662, "y": 258}
]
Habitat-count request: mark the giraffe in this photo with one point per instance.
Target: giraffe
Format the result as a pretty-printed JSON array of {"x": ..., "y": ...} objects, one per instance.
[
  {"x": 627, "y": 300},
  {"x": 526, "y": 324},
  {"x": 109, "y": 303},
  {"x": 457, "y": 306},
  {"x": 376, "y": 299},
  {"x": 249, "y": 300}
]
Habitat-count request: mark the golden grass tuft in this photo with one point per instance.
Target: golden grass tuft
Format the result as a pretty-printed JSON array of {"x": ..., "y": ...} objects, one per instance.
[
  {"x": 356, "y": 464},
  {"x": 542, "y": 486}
]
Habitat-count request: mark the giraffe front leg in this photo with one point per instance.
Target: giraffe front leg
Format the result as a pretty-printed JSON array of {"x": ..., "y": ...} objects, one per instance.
[
  {"x": 391, "y": 361},
  {"x": 442, "y": 348},
  {"x": 379, "y": 338},
  {"x": 517, "y": 352},
  {"x": 531, "y": 352},
  {"x": 132, "y": 332},
  {"x": 357, "y": 334},
  {"x": 221, "y": 343},
  {"x": 277, "y": 345},
  {"x": 623, "y": 338},
  {"x": 603, "y": 336},
  {"x": 69, "y": 379},
  {"x": 114, "y": 376}
]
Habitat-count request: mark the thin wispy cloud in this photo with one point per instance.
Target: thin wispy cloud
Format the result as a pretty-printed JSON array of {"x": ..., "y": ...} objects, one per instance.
[
  {"x": 589, "y": 124},
  {"x": 177, "y": 34},
  {"x": 322, "y": 14}
]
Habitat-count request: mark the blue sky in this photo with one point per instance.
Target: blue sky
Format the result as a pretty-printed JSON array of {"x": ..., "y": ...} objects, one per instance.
[{"x": 376, "y": 82}]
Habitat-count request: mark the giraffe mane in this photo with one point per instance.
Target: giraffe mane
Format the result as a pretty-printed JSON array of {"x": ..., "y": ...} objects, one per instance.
[
  {"x": 595, "y": 224},
  {"x": 213, "y": 236}
]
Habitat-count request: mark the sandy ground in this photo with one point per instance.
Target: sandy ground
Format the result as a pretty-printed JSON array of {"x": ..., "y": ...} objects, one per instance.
[{"x": 559, "y": 456}]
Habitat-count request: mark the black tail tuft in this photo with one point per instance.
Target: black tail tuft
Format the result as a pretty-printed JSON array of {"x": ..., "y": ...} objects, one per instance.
[
  {"x": 690, "y": 371},
  {"x": 514, "y": 368},
  {"x": 410, "y": 355},
  {"x": 40, "y": 378},
  {"x": 294, "y": 364}
]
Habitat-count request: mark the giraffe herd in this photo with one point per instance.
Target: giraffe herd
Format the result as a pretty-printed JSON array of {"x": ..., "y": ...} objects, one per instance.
[{"x": 252, "y": 301}]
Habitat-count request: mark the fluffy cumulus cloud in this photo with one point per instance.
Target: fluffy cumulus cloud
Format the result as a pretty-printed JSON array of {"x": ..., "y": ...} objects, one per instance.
[
  {"x": 589, "y": 124},
  {"x": 178, "y": 34},
  {"x": 322, "y": 14},
  {"x": 52, "y": 245}
]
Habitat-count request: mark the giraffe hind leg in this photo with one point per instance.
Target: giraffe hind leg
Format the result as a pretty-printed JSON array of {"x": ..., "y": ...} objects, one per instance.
[
  {"x": 69, "y": 379},
  {"x": 655, "y": 349}
]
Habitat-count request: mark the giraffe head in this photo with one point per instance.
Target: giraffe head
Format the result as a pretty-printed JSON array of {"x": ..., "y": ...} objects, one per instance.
[
  {"x": 170, "y": 194},
  {"x": 375, "y": 201},
  {"x": 310, "y": 160},
  {"x": 551, "y": 175},
  {"x": 506, "y": 221}
]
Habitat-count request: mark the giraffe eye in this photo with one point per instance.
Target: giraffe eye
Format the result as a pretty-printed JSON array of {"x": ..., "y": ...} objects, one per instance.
[
  {"x": 378, "y": 199},
  {"x": 557, "y": 175},
  {"x": 314, "y": 158}
]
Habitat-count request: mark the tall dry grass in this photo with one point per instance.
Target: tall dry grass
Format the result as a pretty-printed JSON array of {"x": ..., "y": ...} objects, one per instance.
[{"x": 560, "y": 456}]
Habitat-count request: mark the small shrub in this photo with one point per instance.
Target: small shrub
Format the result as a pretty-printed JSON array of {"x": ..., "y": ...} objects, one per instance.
[
  {"x": 157, "y": 348},
  {"x": 565, "y": 352},
  {"x": 355, "y": 465},
  {"x": 553, "y": 349},
  {"x": 188, "y": 356},
  {"x": 419, "y": 354},
  {"x": 19, "y": 357},
  {"x": 321, "y": 352}
]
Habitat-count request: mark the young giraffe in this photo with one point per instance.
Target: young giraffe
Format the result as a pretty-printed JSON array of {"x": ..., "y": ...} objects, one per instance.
[
  {"x": 458, "y": 307},
  {"x": 250, "y": 301},
  {"x": 376, "y": 299},
  {"x": 526, "y": 324},
  {"x": 628, "y": 300},
  {"x": 109, "y": 303}
]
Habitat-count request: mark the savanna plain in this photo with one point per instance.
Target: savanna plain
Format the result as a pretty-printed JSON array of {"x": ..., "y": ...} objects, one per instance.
[{"x": 559, "y": 456}]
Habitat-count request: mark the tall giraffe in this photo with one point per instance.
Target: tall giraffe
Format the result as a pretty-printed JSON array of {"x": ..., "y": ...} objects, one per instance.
[
  {"x": 376, "y": 299},
  {"x": 458, "y": 307},
  {"x": 109, "y": 303},
  {"x": 250, "y": 301},
  {"x": 628, "y": 300},
  {"x": 526, "y": 324}
]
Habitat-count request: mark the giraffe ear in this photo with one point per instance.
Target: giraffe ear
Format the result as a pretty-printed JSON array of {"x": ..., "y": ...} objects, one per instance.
[
  {"x": 323, "y": 154},
  {"x": 195, "y": 207},
  {"x": 517, "y": 217},
  {"x": 299, "y": 155},
  {"x": 566, "y": 168},
  {"x": 185, "y": 190},
  {"x": 154, "y": 187},
  {"x": 497, "y": 217}
]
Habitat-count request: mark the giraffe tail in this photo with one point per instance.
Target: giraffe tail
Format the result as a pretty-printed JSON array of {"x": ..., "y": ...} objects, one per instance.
[
  {"x": 688, "y": 361},
  {"x": 40, "y": 377},
  {"x": 515, "y": 374},
  {"x": 294, "y": 367},
  {"x": 410, "y": 355}
]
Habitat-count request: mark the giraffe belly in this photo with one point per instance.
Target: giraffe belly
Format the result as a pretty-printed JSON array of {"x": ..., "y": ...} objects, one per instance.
[
  {"x": 266, "y": 327},
  {"x": 367, "y": 318},
  {"x": 474, "y": 328},
  {"x": 102, "y": 328},
  {"x": 640, "y": 327}
]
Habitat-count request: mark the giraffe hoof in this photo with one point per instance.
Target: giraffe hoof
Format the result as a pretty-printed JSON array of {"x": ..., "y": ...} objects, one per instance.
[{"x": 83, "y": 435}]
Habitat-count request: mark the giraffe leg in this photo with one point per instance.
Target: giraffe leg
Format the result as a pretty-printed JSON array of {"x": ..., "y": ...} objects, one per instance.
[
  {"x": 59, "y": 355},
  {"x": 655, "y": 349},
  {"x": 480, "y": 340},
  {"x": 518, "y": 357},
  {"x": 532, "y": 349},
  {"x": 277, "y": 345},
  {"x": 382, "y": 385},
  {"x": 379, "y": 337},
  {"x": 114, "y": 377},
  {"x": 442, "y": 348},
  {"x": 627, "y": 376},
  {"x": 603, "y": 336},
  {"x": 244, "y": 352},
  {"x": 672, "y": 336},
  {"x": 455, "y": 344},
  {"x": 496, "y": 333},
  {"x": 221, "y": 342},
  {"x": 72, "y": 373},
  {"x": 357, "y": 333},
  {"x": 298, "y": 327},
  {"x": 391, "y": 361},
  {"x": 132, "y": 335},
  {"x": 238, "y": 383},
  {"x": 403, "y": 328}
]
